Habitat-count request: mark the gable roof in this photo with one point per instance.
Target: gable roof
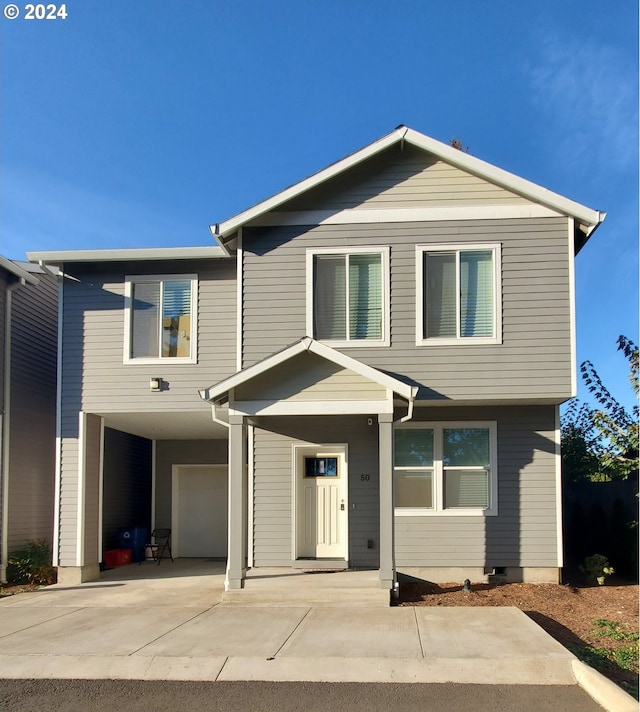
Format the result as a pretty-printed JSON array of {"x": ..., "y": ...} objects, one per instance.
[
  {"x": 586, "y": 218},
  {"x": 219, "y": 391}
]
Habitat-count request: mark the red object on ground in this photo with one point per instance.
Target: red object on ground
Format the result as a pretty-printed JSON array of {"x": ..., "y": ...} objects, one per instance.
[{"x": 117, "y": 557}]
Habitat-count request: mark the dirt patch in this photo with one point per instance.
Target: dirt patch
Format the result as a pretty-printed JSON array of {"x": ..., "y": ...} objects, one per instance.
[
  {"x": 567, "y": 612},
  {"x": 11, "y": 589}
]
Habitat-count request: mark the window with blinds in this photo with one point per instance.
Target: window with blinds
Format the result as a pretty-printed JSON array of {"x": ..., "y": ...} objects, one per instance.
[
  {"x": 466, "y": 465},
  {"x": 348, "y": 296},
  {"x": 460, "y": 296},
  {"x": 160, "y": 318},
  {"x": 413, "y": 467},
  {"x": 445, "y": 467}
]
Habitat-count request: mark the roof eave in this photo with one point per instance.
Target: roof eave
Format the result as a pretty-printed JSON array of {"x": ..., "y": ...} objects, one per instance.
[
  {"x": 215, "y": 393},
  {"x": 128, "y": 255},
  {"x": 584, "y": 215},
  {"x": 225, "y": 228},
  {"x": 583, "y": 233},
  {"x": 505, "y": 179},
  {"x": 18, "y": 272}
]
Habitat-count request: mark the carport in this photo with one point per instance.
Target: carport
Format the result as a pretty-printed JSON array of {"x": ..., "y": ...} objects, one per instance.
[{"x": 153, "y": 470}]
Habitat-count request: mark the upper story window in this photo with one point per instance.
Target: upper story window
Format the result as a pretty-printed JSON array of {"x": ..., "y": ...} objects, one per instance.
[
  {"x": 160, "y": 318},
  {"x": 445, "y": 468},
  {"x": 459, "y": 296},
  {"x": 348, "y": 296}
]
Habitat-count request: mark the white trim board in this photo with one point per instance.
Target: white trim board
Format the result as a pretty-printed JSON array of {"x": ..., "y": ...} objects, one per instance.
[
  {"x": 239, "y": 299},
  {"x": 100, "y": 489},
  {"x": 18, "y": 271},
  {"x": 250, "y": 488},
  {"x": 558, "y": 454},
  {"x": 355, "y": 407},
  {"x": 402, "y": 215},
  {"x": 145, "y": 254},
  {"x": 572, "y": 310},
  {"x": 80, "y": 513}
]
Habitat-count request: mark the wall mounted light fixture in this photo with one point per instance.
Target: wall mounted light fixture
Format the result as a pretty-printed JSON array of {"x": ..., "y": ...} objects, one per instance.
[{"x": 155, "y": 384}]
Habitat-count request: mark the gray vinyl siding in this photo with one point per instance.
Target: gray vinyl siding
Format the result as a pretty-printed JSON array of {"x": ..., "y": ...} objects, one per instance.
[
  {"x": 96, "y": 380},
  {"x": 534, "y": 359},
  {"x": 273, "y": 496},
  {"x": 94, "y": 375},
  {"x": 403, "y": 178},
  {"x": 32, "y": 414},
  {"x": 309, "y": 377},
  {"x": 127, "y": 485},
  {"x": 525, "y": 533},
  {"x": 3, "y": 306},
  {"x": 182, "y": 452},
  {"x": 68, "y": 512}
]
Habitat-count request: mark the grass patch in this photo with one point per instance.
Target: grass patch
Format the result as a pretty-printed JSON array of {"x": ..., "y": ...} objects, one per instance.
[{"x": 621, "y": 652}]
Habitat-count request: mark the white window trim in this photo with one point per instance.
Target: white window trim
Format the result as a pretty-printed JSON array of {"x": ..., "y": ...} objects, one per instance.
[
  {"x": 386, "y": 295},
  {"x": 496, "y": 248},
  {"x": 129, "y": 281},
  {"x": 438, "y": 472}
]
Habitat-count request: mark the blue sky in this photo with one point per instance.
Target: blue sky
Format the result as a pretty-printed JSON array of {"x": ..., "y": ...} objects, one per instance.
[{"x": 134, "y": 124}]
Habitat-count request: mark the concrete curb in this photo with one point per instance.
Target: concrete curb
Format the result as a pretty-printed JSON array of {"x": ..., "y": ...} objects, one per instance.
[
  {"x": 602, "y": 690},
  {"x": 541, "y": 672}
]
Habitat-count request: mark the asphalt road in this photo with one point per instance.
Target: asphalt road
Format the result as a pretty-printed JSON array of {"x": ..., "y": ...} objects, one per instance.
[{"x": 144, "y": 696}]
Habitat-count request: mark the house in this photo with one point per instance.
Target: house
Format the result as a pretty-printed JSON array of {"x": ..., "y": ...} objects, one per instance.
[
  {"x": 28, "y": 353},
  {"x": 364, "y": 370}
]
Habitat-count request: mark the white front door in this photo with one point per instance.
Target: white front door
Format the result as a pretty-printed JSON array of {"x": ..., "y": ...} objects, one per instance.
[
  {"x": 321, "y": 502},
  {"x": 199, "y": 519}
]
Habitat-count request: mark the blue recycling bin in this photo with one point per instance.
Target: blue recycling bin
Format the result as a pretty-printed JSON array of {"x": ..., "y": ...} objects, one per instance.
[{"x": 134, "y": 538}]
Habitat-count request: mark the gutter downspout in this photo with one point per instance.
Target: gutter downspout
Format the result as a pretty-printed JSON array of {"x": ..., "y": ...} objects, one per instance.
[
  {"x": 6, "y": 429},
  {"x": 43, "y": 266},
  {"x": 395, "y": 591},
  {"x": 411, "y": 403},
  {"x": 216, "y": 418}
]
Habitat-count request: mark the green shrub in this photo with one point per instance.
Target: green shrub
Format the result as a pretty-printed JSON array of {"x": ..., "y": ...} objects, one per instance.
[
  {"x": 32, "y": 564},
  {"x": 596, "y": 568}
]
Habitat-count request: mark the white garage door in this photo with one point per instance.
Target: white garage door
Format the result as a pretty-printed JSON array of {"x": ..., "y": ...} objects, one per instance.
[{"x": 200, "y": 511}]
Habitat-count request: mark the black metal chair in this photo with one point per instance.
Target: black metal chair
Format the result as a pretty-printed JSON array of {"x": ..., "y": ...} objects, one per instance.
[{"x": 161, "y": 539}]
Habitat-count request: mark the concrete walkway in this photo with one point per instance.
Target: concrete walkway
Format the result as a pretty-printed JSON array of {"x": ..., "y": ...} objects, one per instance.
[{"x": 146, "y": 622}]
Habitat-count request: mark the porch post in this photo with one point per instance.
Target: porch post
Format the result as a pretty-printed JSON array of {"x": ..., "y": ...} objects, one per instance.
[
  {"x": 237, "y": 533},
  {"x": 387, "y": 547}
]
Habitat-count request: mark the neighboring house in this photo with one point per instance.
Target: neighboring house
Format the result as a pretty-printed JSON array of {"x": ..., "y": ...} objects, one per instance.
[
  {"x": 365, "y": 371},
  {"x": 28, "y": 353}
]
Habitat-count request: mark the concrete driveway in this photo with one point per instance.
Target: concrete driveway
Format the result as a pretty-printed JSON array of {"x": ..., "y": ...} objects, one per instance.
[{"x": 166, "y": 622}]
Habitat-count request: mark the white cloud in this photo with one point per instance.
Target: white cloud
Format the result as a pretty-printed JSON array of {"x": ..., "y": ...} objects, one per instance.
[{"x": 587, "y": 91}]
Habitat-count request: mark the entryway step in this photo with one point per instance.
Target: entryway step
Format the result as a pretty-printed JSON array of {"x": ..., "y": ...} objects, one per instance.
[{"x": 322, "y": 598}]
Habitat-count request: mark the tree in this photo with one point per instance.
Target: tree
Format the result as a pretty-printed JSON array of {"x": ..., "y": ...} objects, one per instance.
[
  {"x": 580, "y": 446},
  {"x": 601, "y": 444}
]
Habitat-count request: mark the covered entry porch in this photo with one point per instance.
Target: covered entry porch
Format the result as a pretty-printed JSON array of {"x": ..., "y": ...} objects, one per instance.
[{"x": 310, "y": 464}]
